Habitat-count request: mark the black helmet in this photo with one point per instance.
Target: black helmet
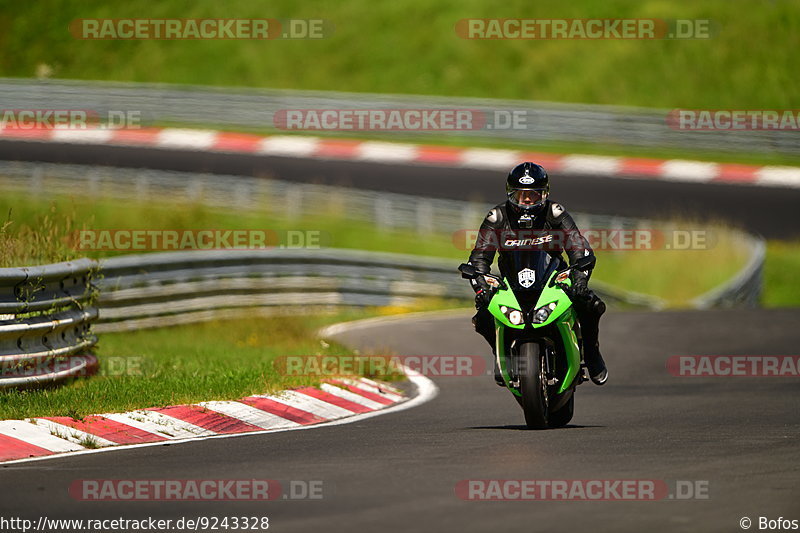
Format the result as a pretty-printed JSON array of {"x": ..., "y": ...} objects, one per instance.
[{"x": 528, "y": 186}]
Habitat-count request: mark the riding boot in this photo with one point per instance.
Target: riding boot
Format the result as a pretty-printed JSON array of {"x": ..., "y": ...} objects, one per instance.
[
  {"x": 484, "y": 324},
  {"x": 589, "y": 313},
  {"x": 498, "y": 376}
]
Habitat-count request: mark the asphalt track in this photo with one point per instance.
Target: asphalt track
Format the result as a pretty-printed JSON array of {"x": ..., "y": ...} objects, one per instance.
[
  {"x": 397, "y": 472},
  {"x": 770, "y": 211}
]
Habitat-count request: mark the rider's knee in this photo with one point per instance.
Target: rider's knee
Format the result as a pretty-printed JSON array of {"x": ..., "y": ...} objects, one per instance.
[
  {"x": 596, "y": 305},
  {"x": 591, "y": 306}
]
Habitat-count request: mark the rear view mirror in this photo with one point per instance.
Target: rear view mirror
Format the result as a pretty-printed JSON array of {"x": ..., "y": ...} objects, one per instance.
[
  {"x": 584, "y": 263},
  {"x": 468, "y": 271}
]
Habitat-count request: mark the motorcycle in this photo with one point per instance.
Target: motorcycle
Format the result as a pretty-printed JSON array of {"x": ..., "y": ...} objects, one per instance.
[{"x": 538, "y": 349}]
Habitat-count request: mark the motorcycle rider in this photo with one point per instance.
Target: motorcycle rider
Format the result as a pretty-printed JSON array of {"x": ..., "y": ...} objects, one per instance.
[{"x": 529, "y": 208}]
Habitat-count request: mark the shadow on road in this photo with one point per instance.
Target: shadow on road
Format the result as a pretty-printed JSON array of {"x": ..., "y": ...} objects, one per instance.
[{"x": 521, "y": 427}]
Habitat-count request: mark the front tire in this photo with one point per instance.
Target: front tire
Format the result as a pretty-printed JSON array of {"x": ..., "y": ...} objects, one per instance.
[
  {"x": 563, "y": 415},
  {"x": 533, "y": 386}
]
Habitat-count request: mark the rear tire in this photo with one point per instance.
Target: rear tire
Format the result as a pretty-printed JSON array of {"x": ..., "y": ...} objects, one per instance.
[{"x": 533, "y": 386}]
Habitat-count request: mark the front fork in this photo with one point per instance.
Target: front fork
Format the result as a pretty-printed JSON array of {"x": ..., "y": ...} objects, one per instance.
[
  {"x": 568, "y": 331},
  {"x": 502, "y": 359}
]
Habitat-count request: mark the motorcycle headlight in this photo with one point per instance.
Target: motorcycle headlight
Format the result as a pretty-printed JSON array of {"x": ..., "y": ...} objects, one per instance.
[
  {"x": 543, "y": 313},
  {"x": 513, "y": 315}
]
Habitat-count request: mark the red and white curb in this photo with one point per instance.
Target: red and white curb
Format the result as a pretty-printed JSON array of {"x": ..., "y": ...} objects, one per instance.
[
  {"x": 389, "y": 152},
  {"x": 337, "y": 401}
]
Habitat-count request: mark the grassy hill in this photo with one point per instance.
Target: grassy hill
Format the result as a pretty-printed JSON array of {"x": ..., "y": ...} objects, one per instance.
[{"x": 412, "y": 47}]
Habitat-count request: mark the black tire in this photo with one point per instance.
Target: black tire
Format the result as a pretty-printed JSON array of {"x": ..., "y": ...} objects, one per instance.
[
  {"x": 533, "y": 386},
  {"x": 563, "y": 415}
]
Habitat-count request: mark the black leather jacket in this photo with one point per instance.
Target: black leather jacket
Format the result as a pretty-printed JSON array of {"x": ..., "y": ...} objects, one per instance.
[{"x": 552, "y": 229}]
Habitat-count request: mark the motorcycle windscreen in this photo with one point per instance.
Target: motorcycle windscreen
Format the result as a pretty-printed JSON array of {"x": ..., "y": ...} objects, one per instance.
[{"x": 528, "y": 271}]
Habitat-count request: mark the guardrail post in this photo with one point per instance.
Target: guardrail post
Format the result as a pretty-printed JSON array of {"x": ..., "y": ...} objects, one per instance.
[
  {"x": 293, "y": 203},
  {"x": 142, "y": 186},
  {"x": 383, "y": 213},
  {"x": 424, "y": 217},
  {"x": 36, "y": 179}
]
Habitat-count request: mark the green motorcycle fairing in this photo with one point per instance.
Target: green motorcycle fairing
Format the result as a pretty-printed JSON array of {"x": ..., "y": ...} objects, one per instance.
[{"x": 563, "y": 315}]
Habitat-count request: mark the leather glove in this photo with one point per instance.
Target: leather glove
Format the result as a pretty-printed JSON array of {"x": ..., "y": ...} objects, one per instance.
[
  {"x": 580, "y": 287},
  {"x": 482, "y": 298}
]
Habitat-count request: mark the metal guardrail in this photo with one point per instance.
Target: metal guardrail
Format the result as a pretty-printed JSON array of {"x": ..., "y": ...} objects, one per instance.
[
  {"x": 159, "y": 289},
  {"x": 243, "y": 193},
  {"x": 45, "y": 316},
  {"x": 154, "y": 290},
  {"x": 39, "y": 288},
  {"x": 286, "y": 199},
  {"x": 744, "y": 289},
  {"x": 137, "y": 288},
  {"x": 257, "y": 108}
]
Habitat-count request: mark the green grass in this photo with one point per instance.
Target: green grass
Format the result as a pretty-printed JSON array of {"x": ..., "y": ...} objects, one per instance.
[
  {"x": 159, "y": 367},
  {"x": 38, "y": 238},
  {"x": 781, "y": 288},
  {"x": 411, "y": 47},
  {"x": 51, "y": 220},
  {"x": 677, "y": 276}
]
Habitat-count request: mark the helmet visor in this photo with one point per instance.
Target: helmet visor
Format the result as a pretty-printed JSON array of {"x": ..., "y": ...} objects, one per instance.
[{"x": 527, "y": 198}]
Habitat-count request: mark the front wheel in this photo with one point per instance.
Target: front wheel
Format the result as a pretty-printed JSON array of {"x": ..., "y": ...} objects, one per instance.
[{"x": 533, "y": 386}]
